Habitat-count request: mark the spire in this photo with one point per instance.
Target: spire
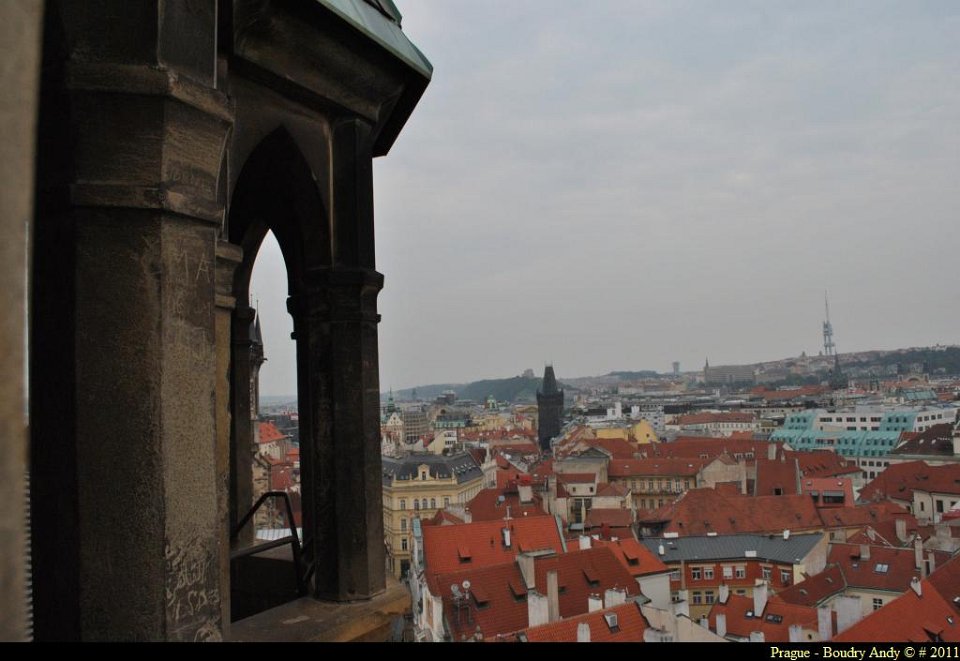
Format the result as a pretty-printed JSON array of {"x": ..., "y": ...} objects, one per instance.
[
  {"x": 255, "y": 335},
  {"x": 549, "y": 386}
]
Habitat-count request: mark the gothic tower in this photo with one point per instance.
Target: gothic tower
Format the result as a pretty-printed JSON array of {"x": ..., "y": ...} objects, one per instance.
[{"x": 550, "y": 407}]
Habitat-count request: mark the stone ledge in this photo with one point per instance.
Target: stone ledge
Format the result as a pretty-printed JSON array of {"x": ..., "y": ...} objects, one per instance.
[{"x": 309, "y": 620}]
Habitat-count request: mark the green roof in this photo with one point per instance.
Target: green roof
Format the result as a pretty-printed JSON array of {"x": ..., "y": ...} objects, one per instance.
[{"x": 382, "y": 25}]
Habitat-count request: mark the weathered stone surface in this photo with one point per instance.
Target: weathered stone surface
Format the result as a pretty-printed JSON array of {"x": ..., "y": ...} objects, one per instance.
[{"x": 20, "y": 23}]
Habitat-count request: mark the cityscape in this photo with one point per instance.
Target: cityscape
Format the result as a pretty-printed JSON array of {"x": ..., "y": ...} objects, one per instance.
[{"x": 403, "y": 321}]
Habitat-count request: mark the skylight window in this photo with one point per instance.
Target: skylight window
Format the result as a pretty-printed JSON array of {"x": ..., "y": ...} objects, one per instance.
[{"x": 882, "y": 568}]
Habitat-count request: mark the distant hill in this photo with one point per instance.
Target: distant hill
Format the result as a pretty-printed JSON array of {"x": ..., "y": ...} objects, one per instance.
[
  {"x": 512, "y": 389},
  {"x": 631, "y": 376}
]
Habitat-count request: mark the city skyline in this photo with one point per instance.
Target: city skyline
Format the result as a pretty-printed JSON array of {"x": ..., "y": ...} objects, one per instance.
[{"x": 617, "y": 187}]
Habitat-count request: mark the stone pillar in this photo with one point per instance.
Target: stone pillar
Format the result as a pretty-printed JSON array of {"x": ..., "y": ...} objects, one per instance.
[
  {"x": 335, "y": 324},
  {"x": 241, "y": 444},
  {"x": 228, "y": 258},
  {"x": 338, "y": 384},
  {"x": 128, "y": 523},
  {"x": 20, "y": 23}
]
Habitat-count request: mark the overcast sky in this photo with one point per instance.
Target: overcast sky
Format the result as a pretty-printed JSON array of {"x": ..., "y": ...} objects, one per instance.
[{"x": 616, "y": 185}]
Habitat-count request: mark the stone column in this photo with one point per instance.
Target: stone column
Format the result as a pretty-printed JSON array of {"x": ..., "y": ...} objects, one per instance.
[
  {"x": 124, "y": 381},
  {"x": 241, "y": 448},
  {"x": 228, "y": 258},
  {"x": 20, "y": 22},
  {"x": 335, "y": 322}
]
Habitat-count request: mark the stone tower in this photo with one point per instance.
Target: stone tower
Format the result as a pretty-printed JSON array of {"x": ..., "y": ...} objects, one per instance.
[
  {"x": 257, "y": 359},
  {"x": 550, "y": 405}
]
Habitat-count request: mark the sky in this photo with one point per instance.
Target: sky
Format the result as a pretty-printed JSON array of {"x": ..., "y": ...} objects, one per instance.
[{"x": 614, "y": 185}]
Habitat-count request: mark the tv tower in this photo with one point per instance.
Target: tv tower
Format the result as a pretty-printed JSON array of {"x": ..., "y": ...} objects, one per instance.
[{"x": 829, "y": 348}]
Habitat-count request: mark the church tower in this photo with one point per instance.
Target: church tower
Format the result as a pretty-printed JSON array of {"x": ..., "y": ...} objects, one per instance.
[
  {"x": 550, "y": 407},
  {"x": 257, "y": 359}
]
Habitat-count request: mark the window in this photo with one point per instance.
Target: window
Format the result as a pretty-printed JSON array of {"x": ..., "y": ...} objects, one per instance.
[
  {"x": 423, "y": 504},
  {"x": 446, "y": 501},
  {"x": 785, "y": 576},
  {"x": 433, "y": 503},
  {"x": 741, "y": 572},
  {"x": 766, "y": 572},
  {"x": 403, "y": 544},
  {"x": 416, "y": 504},
  {"x": 708, "y": 573},
  {"x": 675, "y": 575},
  {"x": 695, "y": 573},
  {"x": 650, "y": 485},
  {"x": 403, "y": 503},
  {"x": 728, "y": 572},
  {"x": 697, "y": 598},
  {"x": 708, "y": 596},
  {"x": 877, "y": 603},
  {"x": 423, "y": 475},
  {"x": 403, "y": 525}
]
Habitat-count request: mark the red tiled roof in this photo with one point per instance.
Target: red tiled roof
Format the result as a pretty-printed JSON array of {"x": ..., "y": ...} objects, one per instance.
[
  {"x": 269, "y": 432},
  {"x": 620, "y": 468},
  {"x": 869, "y": 514},
  {"x": 778, "y": 477},
  {"x": 504, "y": 611},
  {"x": 702, "y": 511},
  {"x": 617, "y": 447},
  {"x": 707, "y": 447},
  {"x": 813, "y": 590},
  {"x": 577, "y": 478},
  {"x": 899, "y": 481},
  {"x": 937, "y": 440},
  {"x": 615, "y": 518},
  {"x": 823, "y": 463},
  {"x": 931, "y": 616},
  {"x": 887, "y": 569},
  {"x": 485, "y": 539},
  {"x": 607, "y": 490},
  {"x": 487, "y": 506},
  {"x": 637, "y": 558},
  {"x": 774, "y": 622},
  {"x": 822, "y": 484},
  {"x": 629, "y": 629}
]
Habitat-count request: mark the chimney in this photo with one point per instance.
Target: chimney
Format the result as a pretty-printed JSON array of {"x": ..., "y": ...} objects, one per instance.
[
  {"x": 901, "y": 529},
  {"x": 537, "y": 609},
  {"x": 931, "y": 563},
  {"x": 786, "y": 534},
  {"x": 467, "y": 516},
  {"x": 796, "y": 633},
  {"x": 759, "y": 598},
  {"x": 918, "y": 555},
  {"x": 525, "y": 492},
  {"x": 614, "y": 597},
  {"x": 507, "y": 517},
  {"x": 721, "y": 624},
  {"x": 956, "y": 441},
  {"x": 525, "y": 562},
  {"x": 553, "y": 596},
  {"x": 724, "y": 593},
  {"x": 772, "y": 451},
  {"x": 585, "y": 542},
  {"x": 704, "y": 622},
  {"x": 864, "y": 551},
  {"x": 871, "y": 534},
  {"x": 583, "y": 633},
  {"x": 825, "y": 623},
  {"x": 756, "y": 637},
  {"x": 594, "y": 603},
  {"x": 915, "y": 586},
  {"x": 506, "y": 537}
]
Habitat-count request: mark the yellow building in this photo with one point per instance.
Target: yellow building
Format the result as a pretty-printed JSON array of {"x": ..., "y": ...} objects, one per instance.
[
  {"x": 416, "y": 486},
  {"x": 642, "y": 432}
]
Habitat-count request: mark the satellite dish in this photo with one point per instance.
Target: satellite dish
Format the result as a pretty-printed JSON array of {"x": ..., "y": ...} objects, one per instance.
[{"x": 466, "y": 585}]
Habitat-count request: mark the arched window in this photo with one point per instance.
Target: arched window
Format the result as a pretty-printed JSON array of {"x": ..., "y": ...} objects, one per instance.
[
  {"x": 433, "y": 503},
  {"x": 403, "y": 503},
  {"x": 423, "y": 503},
  {"x": 416, "y": 504}
]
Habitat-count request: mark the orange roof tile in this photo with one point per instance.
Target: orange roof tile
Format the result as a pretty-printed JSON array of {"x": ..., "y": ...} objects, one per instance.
[
  {"x": 630, "y": 626},
  {"x": 933, "y": 615},
  {"x": 485, "y": 540}
]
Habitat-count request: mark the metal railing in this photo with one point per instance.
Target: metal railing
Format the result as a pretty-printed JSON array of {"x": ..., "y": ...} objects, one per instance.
[{"x": 303, "y": 571}]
